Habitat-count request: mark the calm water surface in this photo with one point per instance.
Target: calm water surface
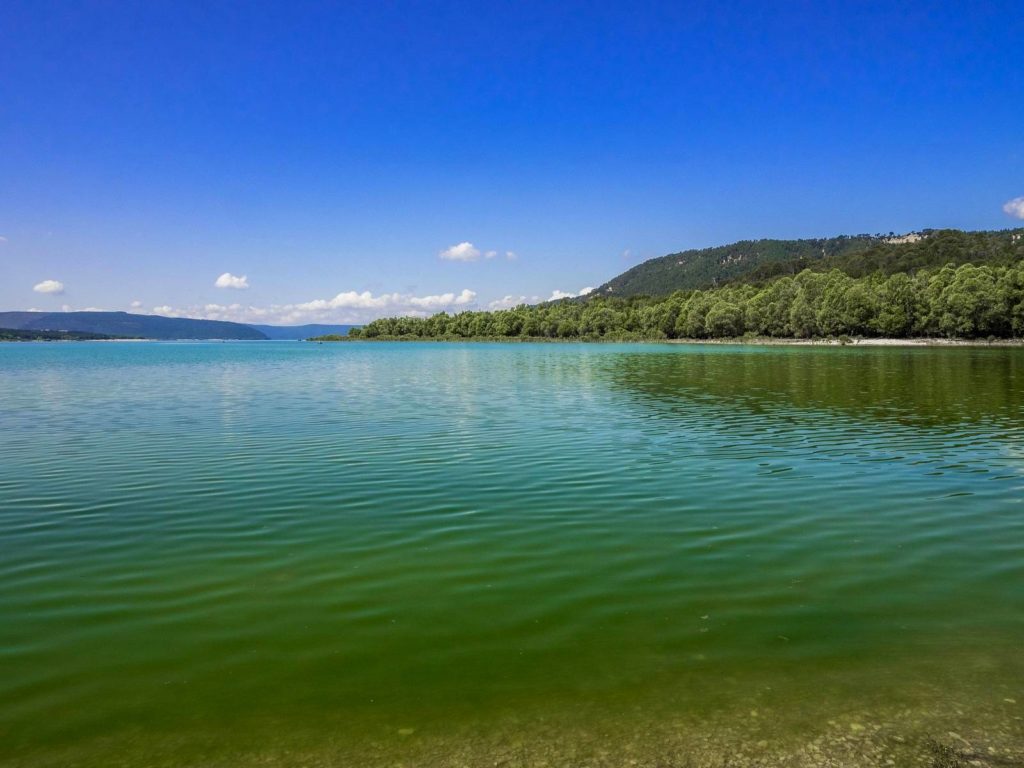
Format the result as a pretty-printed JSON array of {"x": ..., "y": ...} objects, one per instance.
[{"x": 445, "y": 554}]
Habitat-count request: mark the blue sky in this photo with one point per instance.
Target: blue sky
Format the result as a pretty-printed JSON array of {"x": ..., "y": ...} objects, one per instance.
[{"x": 333, "y": 153}]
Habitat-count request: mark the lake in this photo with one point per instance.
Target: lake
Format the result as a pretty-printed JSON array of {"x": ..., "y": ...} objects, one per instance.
[{"x": 279, "y": 553}]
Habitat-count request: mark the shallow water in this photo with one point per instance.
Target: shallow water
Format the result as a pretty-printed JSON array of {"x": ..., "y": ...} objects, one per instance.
[{"x": 279, "y": 553}]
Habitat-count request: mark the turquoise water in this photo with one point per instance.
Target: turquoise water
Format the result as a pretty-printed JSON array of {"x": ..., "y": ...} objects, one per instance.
[{"x": 279, "y": 553}]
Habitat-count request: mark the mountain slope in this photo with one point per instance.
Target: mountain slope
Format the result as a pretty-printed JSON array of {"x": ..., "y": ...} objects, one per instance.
[
  {"x": 707, "y": 267},
  {"x": 125, "y": 324},
  {"x": 930, "y": 249},
  {"x": 755, "y": 261}
]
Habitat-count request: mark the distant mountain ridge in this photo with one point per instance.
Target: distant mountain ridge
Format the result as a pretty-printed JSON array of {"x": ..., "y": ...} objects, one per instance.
[
  {"x": 11, "y": 334},
  {"x": 125, "y": 324}
]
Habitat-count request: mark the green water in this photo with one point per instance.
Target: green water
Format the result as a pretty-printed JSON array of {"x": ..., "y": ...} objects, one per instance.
[{"x": 447, "y": 554}]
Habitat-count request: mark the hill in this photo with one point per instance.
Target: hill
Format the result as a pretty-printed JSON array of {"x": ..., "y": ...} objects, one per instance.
[
  {"x": 12, "y": 334},
  {"x": 707, "y": 267},
  {"x": 125, "y": 324},
  {"x": 911, "y": 253},
  {"x": 300, "y": 332},
  {"x": 757, "y": 261}
]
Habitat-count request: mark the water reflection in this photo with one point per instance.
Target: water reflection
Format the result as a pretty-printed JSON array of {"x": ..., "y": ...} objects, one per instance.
[{"x": 913, "y": 387}]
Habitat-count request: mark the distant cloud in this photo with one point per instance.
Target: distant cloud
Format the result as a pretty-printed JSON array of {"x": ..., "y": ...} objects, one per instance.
[
  {"x": 136, "y": 304},
  {"x": 511, "y": 302},
  {"x": 345, "y": 307},
  {"x": 3, "y": 239},
  {"x": 557, "y": 294},
  {"x": 366, "y": 300},
  {"x": 466, "y": 251},
  {"x": 462, "y": 252},
  {"x": 227, "y": 280},
  {"x": 55, "y": 287},
  {"x": 1014, "y": 208}
]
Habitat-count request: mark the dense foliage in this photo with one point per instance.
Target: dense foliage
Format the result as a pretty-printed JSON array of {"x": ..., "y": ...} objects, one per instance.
[
  {"x": 755, "y": 261},
  {"x": 968, "y": 301}
]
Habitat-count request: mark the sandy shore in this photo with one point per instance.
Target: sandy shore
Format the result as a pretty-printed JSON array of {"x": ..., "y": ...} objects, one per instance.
[{"x": 864, "y": 342}]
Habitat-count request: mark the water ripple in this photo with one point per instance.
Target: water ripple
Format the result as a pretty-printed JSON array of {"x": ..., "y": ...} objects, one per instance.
[{"x": 228, "y": 534}]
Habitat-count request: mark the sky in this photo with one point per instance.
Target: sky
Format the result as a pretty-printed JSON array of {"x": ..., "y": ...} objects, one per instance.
[{"x": 291, "y": 162}]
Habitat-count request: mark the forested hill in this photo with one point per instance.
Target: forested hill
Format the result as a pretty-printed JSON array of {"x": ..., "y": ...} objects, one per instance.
[
  {"x": 910, "y": 253},
  {"x": 756, "y": 261},
  {"x": 10, "y": 334},
  {"x": 708, "y": 267},
  {"x": 125, "y": 324}
]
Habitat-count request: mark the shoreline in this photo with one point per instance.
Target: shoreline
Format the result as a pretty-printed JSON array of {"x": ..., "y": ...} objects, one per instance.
[
  {"x": 741, "y": 341},
  {"x": 864, "y": 342}
]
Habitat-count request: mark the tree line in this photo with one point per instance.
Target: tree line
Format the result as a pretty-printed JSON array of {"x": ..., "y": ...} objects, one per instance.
[{"x": 968, "y": 301}]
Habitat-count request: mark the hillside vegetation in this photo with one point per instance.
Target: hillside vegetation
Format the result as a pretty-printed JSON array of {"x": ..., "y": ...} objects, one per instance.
[
  {"x": 934, "y": 249},
  {"x": 755, "y": 261},
  {"x": 709, "y": 267}
]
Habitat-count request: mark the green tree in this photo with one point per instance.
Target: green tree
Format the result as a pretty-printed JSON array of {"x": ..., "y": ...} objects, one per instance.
[{"x": 724, "y": 319}]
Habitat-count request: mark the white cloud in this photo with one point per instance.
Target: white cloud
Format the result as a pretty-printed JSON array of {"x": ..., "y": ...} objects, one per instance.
[
  {"x": 462, "y": 252},
  {"x": 366, "y": 300},
  {"x": 49, "y": 286},
  {"x": 464, "y": 298},
  {"x": 1014, "y": 208},
  {"x": 227, "y": 280},
  {"x": 466, "y": 251},
  {"x": 345, "y": 307},
  {"x": 511, "y": 302},
  {"x": 558, "y": 294},
  {"x": 3, "y": 239},
  {"x": 136, "y": 304}
]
